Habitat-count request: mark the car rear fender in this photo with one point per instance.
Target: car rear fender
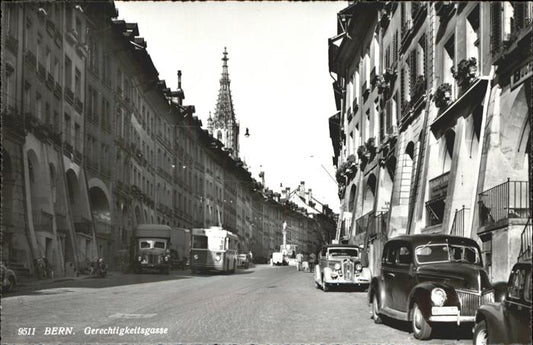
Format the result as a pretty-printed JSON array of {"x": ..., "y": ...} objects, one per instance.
[{"x": 493, "y": 316}]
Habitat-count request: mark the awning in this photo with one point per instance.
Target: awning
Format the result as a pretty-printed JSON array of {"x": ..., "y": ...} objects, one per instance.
[{"x": 464, "y": 106}]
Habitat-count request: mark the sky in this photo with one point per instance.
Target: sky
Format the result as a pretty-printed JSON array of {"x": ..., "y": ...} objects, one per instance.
[{"x": 280, "y": 82}]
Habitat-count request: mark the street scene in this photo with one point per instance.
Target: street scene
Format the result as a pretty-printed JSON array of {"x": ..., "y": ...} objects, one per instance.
[
  {"x": 266, "y": 172},
  {"x": 262, "y": 304}
]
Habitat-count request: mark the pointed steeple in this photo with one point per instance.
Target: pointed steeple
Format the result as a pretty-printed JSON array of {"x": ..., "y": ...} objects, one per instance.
[{"x": 224, "y": 124}]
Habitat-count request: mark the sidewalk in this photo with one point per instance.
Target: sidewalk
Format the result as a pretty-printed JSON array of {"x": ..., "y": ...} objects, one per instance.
[{"x": 32, "y": 283}]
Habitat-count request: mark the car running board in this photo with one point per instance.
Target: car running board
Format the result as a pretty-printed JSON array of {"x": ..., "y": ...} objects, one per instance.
[{"x": 395, "y": 314}]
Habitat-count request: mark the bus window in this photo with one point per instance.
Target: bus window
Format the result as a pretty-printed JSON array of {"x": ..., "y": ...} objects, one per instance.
[
  {"x": 199, "y": 242},
  {"x": 159, "y": 244},
  {"x": 145, "y": 244}
]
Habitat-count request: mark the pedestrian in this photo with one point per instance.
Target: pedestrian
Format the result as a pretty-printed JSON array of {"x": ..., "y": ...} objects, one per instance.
[
  {"x": 251, "y": 256},
  {"x": 312, "y": 259},
  {"x": 299, "y": 259}
]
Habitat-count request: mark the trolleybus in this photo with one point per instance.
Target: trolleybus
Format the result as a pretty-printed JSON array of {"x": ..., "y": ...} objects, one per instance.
[{"x": 213, "y": 249}]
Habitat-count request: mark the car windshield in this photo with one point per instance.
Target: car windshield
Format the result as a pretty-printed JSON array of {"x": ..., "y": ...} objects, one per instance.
[
  {"x": 343, "y": 252},
  {"x": 447, "y": 253}
]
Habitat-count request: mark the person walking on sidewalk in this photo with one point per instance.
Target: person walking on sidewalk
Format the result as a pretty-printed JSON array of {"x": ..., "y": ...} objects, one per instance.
[{"x": 299, "y": 259}]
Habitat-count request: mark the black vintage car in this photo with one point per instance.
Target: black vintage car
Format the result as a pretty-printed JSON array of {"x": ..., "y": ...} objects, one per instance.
[
  {"x": 430, "y": 279},
  {"x": 508, "y": 322}
]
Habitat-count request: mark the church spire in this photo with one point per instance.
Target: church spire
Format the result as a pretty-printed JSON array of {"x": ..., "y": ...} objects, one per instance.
[
  {"x": 224, "y": 125},
  {"x": 225, "y": 74}
]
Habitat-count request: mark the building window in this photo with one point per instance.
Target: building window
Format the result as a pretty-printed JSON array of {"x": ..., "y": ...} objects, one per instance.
[
  {"x": 68, "y": 73},
  {"x": 77, "y": 84},
  {"x": 77, "y": 137},
  {"x": 472, "y": 35},
  {"x": 47, "y": 113},
  {"x": 38, "y": 106},
  {"x": 68, "y": 129},
  {"x": 448, "y": 62},
  {"x": 10, "y": 85}
]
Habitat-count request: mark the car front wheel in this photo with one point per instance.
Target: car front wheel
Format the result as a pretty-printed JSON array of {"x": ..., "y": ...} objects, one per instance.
[
  {"x": 375, "y": 308},
  {"x": 481, "y": 336},
  {"x": 421, "y": 328}
]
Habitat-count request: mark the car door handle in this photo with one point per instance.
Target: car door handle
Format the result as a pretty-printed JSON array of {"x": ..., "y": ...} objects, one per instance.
[{"x": 391, "y": 274}]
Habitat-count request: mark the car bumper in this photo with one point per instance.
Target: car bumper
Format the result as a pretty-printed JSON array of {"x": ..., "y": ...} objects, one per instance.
[
  {"x": 449, "y": 314},
  {"x": 341, "y": 281}
]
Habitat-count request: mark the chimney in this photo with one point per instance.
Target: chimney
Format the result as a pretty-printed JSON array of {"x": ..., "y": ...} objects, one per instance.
[
  {"x": 180, "y": 93},
  {"x": 301, "y": 190},
  {"x": 309, "y": 195}
]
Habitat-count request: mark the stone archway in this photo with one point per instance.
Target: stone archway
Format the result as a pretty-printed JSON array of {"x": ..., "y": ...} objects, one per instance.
[
  {"x": 101, "y": 213},
  {"x": 74, "y": 195},
  {"x": 370, "y": 192}
]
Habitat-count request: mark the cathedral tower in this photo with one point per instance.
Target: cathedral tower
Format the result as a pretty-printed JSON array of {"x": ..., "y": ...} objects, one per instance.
[{"x": 223, "y": 124}]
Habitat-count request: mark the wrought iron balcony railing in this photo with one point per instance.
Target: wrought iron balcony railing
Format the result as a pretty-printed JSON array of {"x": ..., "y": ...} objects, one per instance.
[
  {"x": 459, "y": 221},
  {"x": 507, "y": 200},
  {"x": 525, "y": 242},
  {"x": 361, "y": 223},
  {"x": 42, "y": 221}
]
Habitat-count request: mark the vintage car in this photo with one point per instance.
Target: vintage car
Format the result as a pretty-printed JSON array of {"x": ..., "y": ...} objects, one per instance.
[
  {"x": 508, "y": 322},
  {"x": 243, "y": 261},
  {"x": 9, "y": 278},
  {"x": 430, "y": 279},
  {"x": 341, "y": 264}
]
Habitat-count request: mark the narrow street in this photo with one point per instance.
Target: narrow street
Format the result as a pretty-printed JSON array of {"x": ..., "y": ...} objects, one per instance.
[{"x": 262, "y": 304}]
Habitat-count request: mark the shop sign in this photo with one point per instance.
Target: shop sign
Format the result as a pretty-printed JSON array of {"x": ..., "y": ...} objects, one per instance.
[{"x": 521, "y": 74}]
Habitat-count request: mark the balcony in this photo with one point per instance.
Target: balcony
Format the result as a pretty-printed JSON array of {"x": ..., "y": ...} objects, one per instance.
[
  {"x": 58, "y": 92},
  {"x": 78, "y": 105},
  {"x": 503, "y": 202},
  {"x": 69, "y": 95},
  {"x": 378, "y": 225},
  {"x": 42, "y": 221},
  {"x": 361, "y": 224},
  {"x": 50, "y": 83},
  {"x": 437, "y": 196},
  {"x": 83, "y": 227},
  {"x": 61, "y": 222},
  {"x": 458, "y": 226}
]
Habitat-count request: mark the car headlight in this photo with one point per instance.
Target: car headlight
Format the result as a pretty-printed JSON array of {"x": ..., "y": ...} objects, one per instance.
[
  {"x": 438, "y": 297},
  {"x": 358, "y": 267},
  {"x": 139, "y": 258},
  {"x": 166, "y": 258},
  {"x": 337, "y": 266},
  {"x": 217, "y": 258},
  {"x": 195, "y": 256}
]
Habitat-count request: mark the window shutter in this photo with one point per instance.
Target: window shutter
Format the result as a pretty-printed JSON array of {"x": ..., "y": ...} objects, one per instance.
[{"x": 496, "y": 26}]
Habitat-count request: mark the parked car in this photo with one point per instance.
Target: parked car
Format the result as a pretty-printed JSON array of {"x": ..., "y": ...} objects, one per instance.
[
  {"x": 243, "y": 261},
  {"x": 9, "y": 278},
  {"x": 508, "y": 322},
  {"x": 430, "y": 279},
  {"x": 341, "y": 264}
]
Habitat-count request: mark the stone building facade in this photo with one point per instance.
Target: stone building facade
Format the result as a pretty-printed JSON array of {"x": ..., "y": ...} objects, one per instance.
[
  {"x": 94, "y": 143},
  {"x": 432, "y": 133}
]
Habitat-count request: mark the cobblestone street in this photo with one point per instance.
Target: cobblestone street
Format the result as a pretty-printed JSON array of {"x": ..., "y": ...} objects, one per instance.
[{"x": 263, "y": 304}]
